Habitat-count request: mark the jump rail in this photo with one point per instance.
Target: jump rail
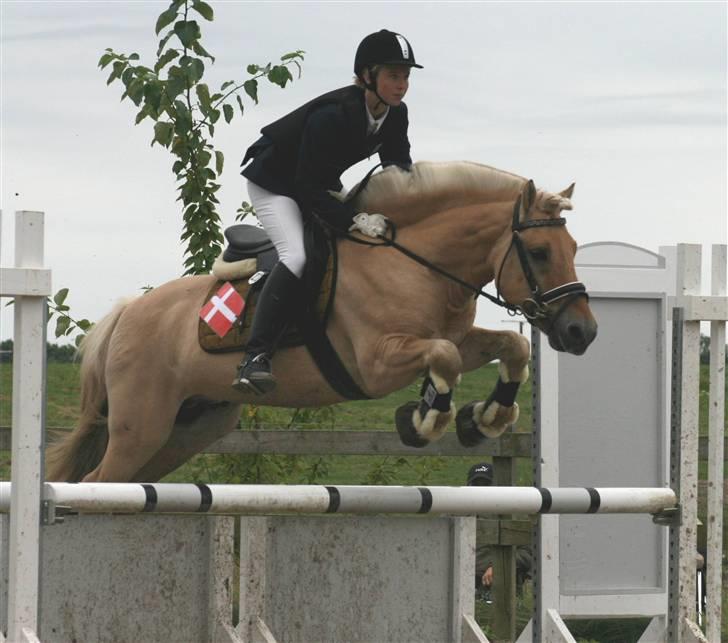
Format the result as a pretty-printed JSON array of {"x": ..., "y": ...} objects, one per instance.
[{"x": 354, "y": 499}]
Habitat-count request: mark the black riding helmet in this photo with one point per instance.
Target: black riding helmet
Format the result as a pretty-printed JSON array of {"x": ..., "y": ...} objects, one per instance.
[{"x": 383, "y": 47}]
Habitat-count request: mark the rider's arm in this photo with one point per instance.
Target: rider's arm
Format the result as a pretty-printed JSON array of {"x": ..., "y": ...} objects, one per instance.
[{"x": 321, "y": 161}]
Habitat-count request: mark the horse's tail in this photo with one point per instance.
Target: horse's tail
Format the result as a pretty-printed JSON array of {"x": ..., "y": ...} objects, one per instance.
[{"x": 71, "y": 457}]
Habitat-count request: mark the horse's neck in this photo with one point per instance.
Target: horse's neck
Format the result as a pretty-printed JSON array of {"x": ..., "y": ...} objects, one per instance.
[
  {"x": 463, "y": 240},
  {"x": 405, "y": 212}
]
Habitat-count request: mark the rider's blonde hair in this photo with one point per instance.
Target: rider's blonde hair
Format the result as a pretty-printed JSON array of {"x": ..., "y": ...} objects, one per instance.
[{"x": 373, "y": 70}]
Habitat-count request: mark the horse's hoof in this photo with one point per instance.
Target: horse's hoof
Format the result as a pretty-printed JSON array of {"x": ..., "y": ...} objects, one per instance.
[
  {"x": 466, "y": 427},
  {"x": 406, "y": 428}
]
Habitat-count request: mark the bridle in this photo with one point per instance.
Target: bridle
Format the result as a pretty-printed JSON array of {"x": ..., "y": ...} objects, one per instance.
[{"x": 536, "y": 308}]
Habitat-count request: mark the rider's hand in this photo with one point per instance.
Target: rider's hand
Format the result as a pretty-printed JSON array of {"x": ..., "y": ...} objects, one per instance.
[{"x": 372, "y": 225}]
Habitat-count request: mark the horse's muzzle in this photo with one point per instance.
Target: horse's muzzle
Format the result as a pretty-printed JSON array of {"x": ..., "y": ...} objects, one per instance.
[{"x": 572, "y": 334}]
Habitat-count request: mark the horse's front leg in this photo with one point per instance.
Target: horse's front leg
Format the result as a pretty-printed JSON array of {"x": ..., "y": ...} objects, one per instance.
[
  {"x": 400, "y": 359},
  {"x": 477, "y": 420}
]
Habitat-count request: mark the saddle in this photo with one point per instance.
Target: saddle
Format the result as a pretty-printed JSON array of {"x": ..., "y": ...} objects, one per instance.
[{"x": 246, "y": 262}]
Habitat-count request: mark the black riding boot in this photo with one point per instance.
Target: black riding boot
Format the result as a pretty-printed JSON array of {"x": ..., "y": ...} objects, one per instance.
[{"x": 274, "y": 310}]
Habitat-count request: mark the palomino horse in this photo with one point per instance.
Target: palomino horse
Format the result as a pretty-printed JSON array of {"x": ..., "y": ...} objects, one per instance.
[{"x": 152, "y": 398}]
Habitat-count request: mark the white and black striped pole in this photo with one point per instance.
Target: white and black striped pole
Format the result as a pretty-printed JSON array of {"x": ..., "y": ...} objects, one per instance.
[{"x": 319, "y": 499}]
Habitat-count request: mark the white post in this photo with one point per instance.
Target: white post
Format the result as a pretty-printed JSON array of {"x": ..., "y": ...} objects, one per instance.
[
  {"x": 716, "y": 429},
  {"x": 27, "y": 435},
  {"x": 547, "y": 458},
  {"x": 688, "y": 275}
]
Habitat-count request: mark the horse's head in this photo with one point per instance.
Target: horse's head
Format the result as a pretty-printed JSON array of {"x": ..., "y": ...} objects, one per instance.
[{"x": 536, "y": 272}]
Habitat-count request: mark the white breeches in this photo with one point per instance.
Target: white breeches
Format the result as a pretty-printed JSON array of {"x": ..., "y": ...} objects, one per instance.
[{"x": 282, "y": 220}]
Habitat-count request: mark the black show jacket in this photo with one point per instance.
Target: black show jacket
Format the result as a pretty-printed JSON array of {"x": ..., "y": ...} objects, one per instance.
[{"x": 304, "y": 154}]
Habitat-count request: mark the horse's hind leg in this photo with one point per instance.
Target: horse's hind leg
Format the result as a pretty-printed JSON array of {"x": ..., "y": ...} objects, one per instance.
[
  {"x": 139, "y": 425},
  {"x": 490, "y": 418},
  {"x": 400, "y": 358},
  {"x": 197, "y": 426}
]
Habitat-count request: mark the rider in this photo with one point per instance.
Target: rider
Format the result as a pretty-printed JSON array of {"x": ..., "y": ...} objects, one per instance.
[{"x": 300, "y": 158}]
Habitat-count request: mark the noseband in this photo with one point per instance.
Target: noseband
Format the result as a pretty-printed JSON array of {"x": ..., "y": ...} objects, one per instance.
[{"x": 536, "y": 308}]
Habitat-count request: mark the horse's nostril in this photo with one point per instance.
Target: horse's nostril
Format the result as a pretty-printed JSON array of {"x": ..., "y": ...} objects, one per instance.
[{"x": 575, "y": 332}]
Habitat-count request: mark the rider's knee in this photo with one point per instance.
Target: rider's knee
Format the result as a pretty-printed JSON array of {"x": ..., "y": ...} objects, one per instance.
[{"x": 295, "y": 263}]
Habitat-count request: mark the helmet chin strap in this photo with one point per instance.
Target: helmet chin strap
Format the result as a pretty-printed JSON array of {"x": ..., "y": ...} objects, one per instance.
[{"x": 372, "y": 87}]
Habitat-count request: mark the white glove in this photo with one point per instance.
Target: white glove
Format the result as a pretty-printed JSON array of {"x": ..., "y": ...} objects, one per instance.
[{"x": 372, "y": 225}]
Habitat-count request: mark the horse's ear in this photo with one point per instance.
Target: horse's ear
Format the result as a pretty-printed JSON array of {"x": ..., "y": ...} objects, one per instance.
[
  {"x": 528, "y": 198},
  {"x": 568, "y": 192}
]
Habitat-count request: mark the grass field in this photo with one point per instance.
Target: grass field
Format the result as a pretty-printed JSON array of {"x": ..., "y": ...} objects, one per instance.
[{"x": 62, "y": 410}]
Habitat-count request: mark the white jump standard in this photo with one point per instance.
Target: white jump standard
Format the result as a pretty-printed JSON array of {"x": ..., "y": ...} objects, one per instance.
[{"x": 345, "y": 499}]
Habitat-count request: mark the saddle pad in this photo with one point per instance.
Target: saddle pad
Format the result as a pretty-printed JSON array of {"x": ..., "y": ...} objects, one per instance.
[{"x": 236, "y": 339}]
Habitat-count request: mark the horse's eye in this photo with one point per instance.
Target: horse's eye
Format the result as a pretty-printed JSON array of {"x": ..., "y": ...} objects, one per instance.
[{"x": 539, "y": 254}]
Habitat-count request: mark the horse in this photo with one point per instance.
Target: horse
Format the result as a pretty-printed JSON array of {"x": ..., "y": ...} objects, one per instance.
[{"x": 151, "y": 398}]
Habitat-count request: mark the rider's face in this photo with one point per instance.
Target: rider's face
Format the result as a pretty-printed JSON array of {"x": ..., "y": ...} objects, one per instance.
[{"x": 393, "y": 83}]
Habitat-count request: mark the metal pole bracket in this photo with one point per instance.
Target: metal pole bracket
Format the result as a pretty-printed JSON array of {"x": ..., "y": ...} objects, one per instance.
[
  {"x": 669, "y": 517},
  {"x": 51, "y": 513}
]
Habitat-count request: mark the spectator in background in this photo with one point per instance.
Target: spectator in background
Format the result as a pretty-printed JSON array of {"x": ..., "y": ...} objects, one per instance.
[{"x": 481, "y": 475}]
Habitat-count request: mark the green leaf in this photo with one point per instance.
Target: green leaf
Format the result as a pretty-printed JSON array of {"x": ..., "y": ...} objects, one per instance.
[
  {"x": 251, "y": 89},
  {"x": 136, "y": 91},
  {"x": 187, "y": 31},
  {"x": 153, "y": 94},
  {"x": 280, "y": 75},
  {"x": 226, "y": 84},
  {"x": 118, "y": 68},
  {"x": 228, "y": 111},
  {"x": 204, "y": 158},
  {"x": 60, "y": 296},
  {"x": 219, "y": 162},
  {"x": 134, "y": 57},
  {"x": 178, "y": 167},
  {"x": 201, "y": 51},
  {"x": 166, "y": 58},
  {"x": 127, "y": 76},
  {"x": 165, "y": 18},
  {"x": 203, "y": 95},
  {"x": 195, "y": 70},
  {"x": 204, "y": 9},
  {"x": 183, "y": 121},
  {"x": 240, "y": 104},
  {"x": 106, "y": 59},
  {"x": 253, "y": 69},
  {"x": 176, "y": 84},
  {"x": 163, "y": 42},
  {"x": 163, "y": 133},
  {"x": 142, "y": 114},
  {"x": 84, "y": 324},
  {"x": 293, "y": 54},
  {"x": 78, "y": 340},
  {"x": 62, "y": 325}
]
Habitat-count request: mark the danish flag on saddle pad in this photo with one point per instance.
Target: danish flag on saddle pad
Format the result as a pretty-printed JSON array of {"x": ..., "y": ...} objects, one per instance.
[{"x": 223, "y": 309}]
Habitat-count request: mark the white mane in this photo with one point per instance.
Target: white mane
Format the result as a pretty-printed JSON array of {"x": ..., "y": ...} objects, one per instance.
[{"x": 429, "y": 178}]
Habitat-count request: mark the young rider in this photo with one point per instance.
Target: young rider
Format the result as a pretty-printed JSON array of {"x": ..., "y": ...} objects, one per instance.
[{"x": 302, "y": 156}]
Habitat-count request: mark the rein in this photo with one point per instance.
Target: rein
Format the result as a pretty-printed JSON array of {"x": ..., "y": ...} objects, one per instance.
[{"x": 532, "y": 309}]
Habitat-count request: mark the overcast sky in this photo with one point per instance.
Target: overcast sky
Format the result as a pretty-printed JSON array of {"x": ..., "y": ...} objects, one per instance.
[{"x": 626, "y": 99}]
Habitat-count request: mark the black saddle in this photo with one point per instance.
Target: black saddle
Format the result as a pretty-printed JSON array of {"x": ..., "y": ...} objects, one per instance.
[{"x": 249, "y": 242}]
